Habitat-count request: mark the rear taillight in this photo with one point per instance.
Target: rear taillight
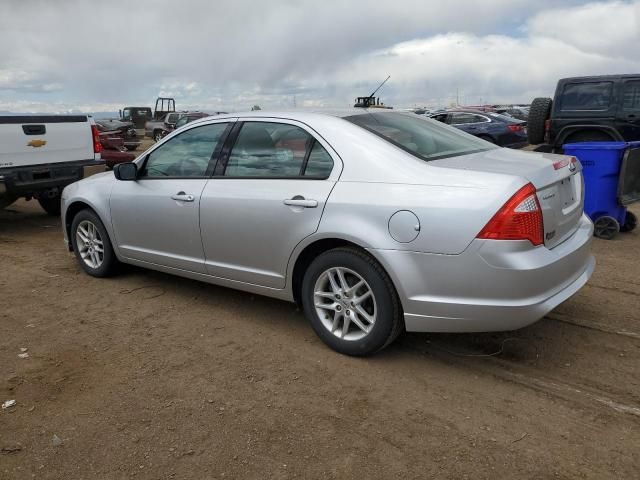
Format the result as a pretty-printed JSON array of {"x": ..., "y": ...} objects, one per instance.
[
  {"x": 97, "y": 146},
  {"x": 519, "y": 219},
  {"x": 515, "y": 128}
]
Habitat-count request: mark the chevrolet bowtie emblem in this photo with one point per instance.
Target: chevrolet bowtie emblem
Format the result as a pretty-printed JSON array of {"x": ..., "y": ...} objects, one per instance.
[{"x": 36, "y": 143}]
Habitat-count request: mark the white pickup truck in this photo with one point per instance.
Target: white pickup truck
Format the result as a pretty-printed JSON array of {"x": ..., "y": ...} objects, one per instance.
[{"x": 42, "y": 154}]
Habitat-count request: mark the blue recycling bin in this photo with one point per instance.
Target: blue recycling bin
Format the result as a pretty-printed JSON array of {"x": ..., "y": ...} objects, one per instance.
[{"x": 611, "y": 181}]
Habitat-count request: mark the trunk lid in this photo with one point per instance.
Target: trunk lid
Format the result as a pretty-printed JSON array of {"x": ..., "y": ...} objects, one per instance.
[{"x": 558, "y": 181}]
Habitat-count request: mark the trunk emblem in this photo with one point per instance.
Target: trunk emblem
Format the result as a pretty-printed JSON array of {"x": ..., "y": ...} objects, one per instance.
[
  {"x": 550, "y": 234},
  {"x": 36, "y": 143}
]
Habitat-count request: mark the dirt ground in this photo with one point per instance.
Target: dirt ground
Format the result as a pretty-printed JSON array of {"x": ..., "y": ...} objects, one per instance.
[{"x": 150, "y": 376}]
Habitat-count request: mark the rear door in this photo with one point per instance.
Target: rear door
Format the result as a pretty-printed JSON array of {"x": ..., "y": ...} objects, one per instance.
[
  {"x": 156, "y": 217},
  {"x": 629, "y": 110},
  {"x": 267, "y": 195}
]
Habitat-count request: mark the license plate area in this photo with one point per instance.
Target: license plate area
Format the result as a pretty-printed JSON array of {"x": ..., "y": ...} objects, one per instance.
[{"x": 569, "y": 191}]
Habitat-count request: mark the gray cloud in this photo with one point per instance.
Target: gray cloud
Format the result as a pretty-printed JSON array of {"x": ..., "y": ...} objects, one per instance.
[{"x": 231, "y": 54}]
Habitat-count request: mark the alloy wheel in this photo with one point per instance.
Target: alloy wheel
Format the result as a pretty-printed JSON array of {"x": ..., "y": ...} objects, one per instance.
[
  {"x": 345, "y": 303},
  {"x": 90, "y": 245}
]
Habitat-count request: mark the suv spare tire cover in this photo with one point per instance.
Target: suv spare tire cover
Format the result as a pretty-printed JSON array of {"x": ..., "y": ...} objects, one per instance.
[{"x": 538, "y": 114}]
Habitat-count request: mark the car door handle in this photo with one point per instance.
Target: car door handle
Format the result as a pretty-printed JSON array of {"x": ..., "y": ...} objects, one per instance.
[
  {"x": 299, "y": 201},
  {"x": 183, "y": 197}
]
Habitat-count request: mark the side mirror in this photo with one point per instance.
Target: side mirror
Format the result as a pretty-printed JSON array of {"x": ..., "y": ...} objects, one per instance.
[{"x": 126, "y": 171}]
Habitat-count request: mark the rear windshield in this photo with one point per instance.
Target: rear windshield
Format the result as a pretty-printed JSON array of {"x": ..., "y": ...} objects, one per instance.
[{"x": 425, "y": 138}]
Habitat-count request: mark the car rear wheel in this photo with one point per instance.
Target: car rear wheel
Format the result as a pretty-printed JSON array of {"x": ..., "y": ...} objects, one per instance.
[
  {"x": 538, "y": 114},
  {"x": 351, "y": 302},
  {"x": 91, "y": 245},
  {"x": 487, "y": 138},
  {"x": 157, "y": 135}
]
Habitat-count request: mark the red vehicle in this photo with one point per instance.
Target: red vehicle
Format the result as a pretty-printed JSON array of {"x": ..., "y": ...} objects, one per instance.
[{"x": 114, "y": 150}]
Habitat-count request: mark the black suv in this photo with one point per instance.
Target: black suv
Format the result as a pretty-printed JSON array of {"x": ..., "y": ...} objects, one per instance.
[{"x": 587, "y": 109}]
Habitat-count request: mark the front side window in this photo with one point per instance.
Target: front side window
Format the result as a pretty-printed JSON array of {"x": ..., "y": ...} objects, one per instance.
[
  {"x": 631, "y": 95},
  {"x": 267, "y": 149},
  {"x": 425, "y": 138},
  {"x": 185, "y": 155},
  {"x": 586, "y": 96}
]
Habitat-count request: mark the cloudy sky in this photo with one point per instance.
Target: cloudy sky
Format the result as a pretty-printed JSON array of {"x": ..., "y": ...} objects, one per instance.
[{"x": 228, "y": 55}]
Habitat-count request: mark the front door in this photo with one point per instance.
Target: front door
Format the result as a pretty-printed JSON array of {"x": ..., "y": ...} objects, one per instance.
[
  {"x": 268, "y": 194},
  {"x": 156, "y": 217}
]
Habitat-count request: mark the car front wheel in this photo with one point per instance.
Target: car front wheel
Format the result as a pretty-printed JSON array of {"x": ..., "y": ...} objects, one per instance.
[
  {"x": 351, "y": 302},
  {"x": 91, "y": 245}
]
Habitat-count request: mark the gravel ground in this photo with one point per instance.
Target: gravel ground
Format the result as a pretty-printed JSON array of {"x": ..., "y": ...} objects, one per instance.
[{"x": 150, "y": 376}]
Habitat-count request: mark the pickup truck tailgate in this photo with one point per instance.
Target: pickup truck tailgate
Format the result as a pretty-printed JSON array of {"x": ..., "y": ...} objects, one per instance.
[{"x": 36, "y": 140}]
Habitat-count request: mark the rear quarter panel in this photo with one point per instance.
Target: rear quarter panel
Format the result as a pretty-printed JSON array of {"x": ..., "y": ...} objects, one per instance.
[{"x": 450, "y": 217}]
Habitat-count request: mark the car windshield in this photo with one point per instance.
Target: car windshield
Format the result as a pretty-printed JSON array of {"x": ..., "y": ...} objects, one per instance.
[{"x": 425, "y": 138}]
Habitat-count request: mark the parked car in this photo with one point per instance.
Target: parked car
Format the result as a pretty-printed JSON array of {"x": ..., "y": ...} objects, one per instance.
[
  {"x": 189, "y": 117},
  {"x": 520, "y": 113},
  {"x": 125, "y": 130},
  {"x": 492, "y": 127},
  {"x": 157, "y": 129},
  {"x": 41, "y": 154},
  {"x": 114, "y": 150},
  {"x": 586, "y": 109},
  {"x": 374, "y": 221},
  {"x": 138, "y": 116}
]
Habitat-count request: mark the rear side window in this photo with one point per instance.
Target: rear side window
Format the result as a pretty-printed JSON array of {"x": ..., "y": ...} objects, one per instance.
[
  {"x": 319, "y": 163},
  {"x": 277, "y": 150},
  {"x": 586, "y": 96},
  {"x": 631, "y": 95}
]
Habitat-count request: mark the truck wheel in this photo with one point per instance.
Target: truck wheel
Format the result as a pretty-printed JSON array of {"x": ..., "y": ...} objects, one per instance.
[
  {"x": 538, "y": 114},
  {"x": 50, "y": 205},
  {"x": 157, "y": 135},
  {"x": 6, "y": 201},
  {"x": 587, "y": 136},
  {"x": 630, "y": 222}
]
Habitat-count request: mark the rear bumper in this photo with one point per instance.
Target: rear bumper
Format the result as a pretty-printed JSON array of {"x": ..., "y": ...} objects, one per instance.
[
  {"x": 491, "y": 286},
  {"x": 30, "y": 180}
]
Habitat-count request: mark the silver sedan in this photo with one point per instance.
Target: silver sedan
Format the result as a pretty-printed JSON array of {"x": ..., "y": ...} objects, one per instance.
[{"x": 373, "y": 221}]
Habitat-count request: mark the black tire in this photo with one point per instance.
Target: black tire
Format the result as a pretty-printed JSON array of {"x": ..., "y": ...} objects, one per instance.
[
  {"x": 389, "y": 321},
  {"x": 630, "y": 222},
  {"x": 538, "y": 114},
  {"x": 131, "y": 148},
  {"x": 606, "y": 227},
  {"x": 157, "y": 135},
  {"x": 109, "y": 263},
  {"x": 6, "y": 201},
  {"x": 587, "y": 136},
  {"x": 50, "y": 205}
]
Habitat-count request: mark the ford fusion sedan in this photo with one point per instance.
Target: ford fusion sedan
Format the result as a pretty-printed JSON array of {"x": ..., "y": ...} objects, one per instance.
[{"x": 375, "y": 222}]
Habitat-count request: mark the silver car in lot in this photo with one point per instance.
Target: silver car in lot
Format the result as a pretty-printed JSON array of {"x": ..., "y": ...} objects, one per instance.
[{"x": 373, "y": 221}]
